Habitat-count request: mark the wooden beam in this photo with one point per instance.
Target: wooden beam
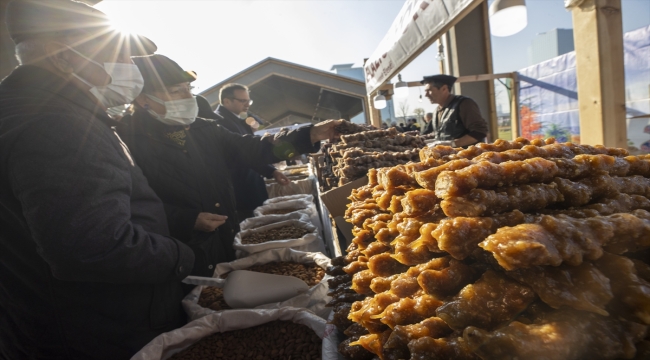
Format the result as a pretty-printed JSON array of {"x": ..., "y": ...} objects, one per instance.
[
  {"x": 471, "y": 60},
  {"x": 461, "y": 79},
  {"x": 514, "y": 106},
  {"x": 598, "y": 38},
  {"x": 372, "y": 114},
  {"x": 493, "y": 122}
]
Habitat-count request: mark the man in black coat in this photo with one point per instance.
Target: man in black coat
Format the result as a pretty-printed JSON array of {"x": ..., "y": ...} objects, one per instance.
[
  {"x": 188, "y": 160},
  {"x": 87, "y": 267},
  {"x": 428, "y": 124},
  {"x": 250, "y": 188}
]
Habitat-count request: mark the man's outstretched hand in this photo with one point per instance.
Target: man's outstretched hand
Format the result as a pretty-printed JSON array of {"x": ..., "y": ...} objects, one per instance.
[
  {"x": 281, "y": 178},
  {"x": 325, "y": 130}
]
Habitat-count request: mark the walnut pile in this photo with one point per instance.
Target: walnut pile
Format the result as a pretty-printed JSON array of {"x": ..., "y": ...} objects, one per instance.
[
  {"x": 274, "y": 340},
  {"x": 212, "y": 298},
  {"x": 280, "y": 233}
]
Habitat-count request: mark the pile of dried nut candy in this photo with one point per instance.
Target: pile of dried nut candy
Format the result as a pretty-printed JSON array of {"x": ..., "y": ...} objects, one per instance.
[{"x": 512, "y": 250}]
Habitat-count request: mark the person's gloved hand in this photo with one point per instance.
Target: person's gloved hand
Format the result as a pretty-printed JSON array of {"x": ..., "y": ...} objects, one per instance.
[{"x": 281, "y": 178}]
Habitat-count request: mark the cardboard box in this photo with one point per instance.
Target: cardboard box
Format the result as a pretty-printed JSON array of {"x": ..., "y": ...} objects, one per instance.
[{"x": 336, "y": 201}]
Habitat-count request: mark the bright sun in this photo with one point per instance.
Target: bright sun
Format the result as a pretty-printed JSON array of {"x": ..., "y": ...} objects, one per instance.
[{"x": 123, "y": 24}]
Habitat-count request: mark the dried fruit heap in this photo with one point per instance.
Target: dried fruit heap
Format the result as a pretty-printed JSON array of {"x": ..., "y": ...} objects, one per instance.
[
  {"x": 357, "y": 153},
  {"x": 280, "y": 233},
  {"x": 274, "y": 340},
  {"x": 512, "y": 250}
]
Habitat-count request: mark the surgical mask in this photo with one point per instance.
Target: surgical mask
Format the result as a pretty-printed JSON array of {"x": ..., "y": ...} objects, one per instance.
[
  {"x": 126, "y": 83},
  {"x": 178, "y": 112}
]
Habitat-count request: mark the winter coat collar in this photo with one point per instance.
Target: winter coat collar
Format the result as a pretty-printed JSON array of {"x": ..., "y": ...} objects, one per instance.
[
  {"x": 235, "y": 120},
  {"x": 140, "y": 122},
  {"x": 221, "y": 110}
]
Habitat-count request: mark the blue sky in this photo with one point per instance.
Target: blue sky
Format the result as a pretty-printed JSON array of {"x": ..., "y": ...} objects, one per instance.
[{"x": 218, "y": 38}]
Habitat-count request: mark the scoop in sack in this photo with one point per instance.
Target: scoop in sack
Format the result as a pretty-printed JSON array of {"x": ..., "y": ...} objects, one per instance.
[{"x": 248, "y": 289}]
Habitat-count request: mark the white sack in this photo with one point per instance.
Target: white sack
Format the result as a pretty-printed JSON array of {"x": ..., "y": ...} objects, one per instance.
[
  {"x": 167, "y": 344},
  {"x": 331, "y": 341},
  {"x": 274, "y": 244},
  {"x": 257, "y": 221},
  {"x": 301, "y": 186},
  {"x": 297, "y": 204},
  {"x": 302, "y": 205},
  {"x": 314, "y": 299}
]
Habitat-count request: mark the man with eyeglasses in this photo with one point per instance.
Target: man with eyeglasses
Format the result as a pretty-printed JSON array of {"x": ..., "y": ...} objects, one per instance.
[
  {"x": 250, "y": 189},
  {"x": 87, "y": 267}
]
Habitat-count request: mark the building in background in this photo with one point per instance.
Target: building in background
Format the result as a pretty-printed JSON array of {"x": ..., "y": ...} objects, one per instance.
[
  {"x": 286, "y": 94},
  {"x": 549, "y": 45},
  {"x": 349, "y": 71}
]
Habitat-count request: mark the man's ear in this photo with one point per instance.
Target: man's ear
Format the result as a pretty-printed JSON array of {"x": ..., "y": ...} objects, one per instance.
[{"x": 56, "y": 55}]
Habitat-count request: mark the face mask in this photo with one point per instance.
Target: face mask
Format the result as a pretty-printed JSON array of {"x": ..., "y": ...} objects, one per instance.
[
  {"x": 126, "y": 83},
  {"x": 178, "y": 112}
]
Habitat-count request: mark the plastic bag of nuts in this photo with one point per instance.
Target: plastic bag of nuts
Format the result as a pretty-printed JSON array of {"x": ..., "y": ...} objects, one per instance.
[
  {"x": 314, "y": 299},
  {"x": 232, "y": 344},
  {"x": 301, "y": 181},
  {"x": 295, "y": 205},
  {"x": 255, "y": 222},
  {"x": 266, "y": 237}
]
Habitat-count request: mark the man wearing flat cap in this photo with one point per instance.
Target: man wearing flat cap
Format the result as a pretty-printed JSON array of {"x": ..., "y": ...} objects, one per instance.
[
  {"x": 458, "y": 121},
  {"x": 87, "y": 267}
]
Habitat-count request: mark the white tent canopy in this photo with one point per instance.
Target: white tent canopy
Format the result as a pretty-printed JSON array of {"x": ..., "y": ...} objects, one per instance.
[{"x": 418, "y": 25}]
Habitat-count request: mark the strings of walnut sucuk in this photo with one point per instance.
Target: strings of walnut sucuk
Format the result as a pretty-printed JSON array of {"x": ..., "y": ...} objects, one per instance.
[
  {"x": 351, "y": 158},
  {"x": 521, "y": 249}
]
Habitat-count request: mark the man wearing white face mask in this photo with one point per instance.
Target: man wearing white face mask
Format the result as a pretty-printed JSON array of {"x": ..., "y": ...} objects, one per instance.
[
  {"x": 188, "y": 160},
  {"x": 87, "y": 267}
]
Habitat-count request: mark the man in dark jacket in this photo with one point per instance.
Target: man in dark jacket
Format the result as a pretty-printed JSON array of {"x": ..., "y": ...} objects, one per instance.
[
  {"x": 188, "y": 160},
  {"x": 428, "y": 124},
  {"x": 458, "y": 121},
  {"x": 87, "y": 269},
  {"x": 250, "y": 188}
]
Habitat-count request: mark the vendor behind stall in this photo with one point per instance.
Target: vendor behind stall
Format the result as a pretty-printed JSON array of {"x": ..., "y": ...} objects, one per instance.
[
  {"x": 458, "y": 121},
  {"x": 188, "y": 160},
  {"x": 87, "y": 267}
]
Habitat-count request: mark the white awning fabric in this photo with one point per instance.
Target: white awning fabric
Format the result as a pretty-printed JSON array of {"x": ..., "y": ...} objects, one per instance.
[{"x": 419, "y": 23}]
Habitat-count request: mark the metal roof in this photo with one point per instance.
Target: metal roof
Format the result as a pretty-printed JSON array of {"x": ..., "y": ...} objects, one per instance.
[{"x": 285, "y": 92}]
